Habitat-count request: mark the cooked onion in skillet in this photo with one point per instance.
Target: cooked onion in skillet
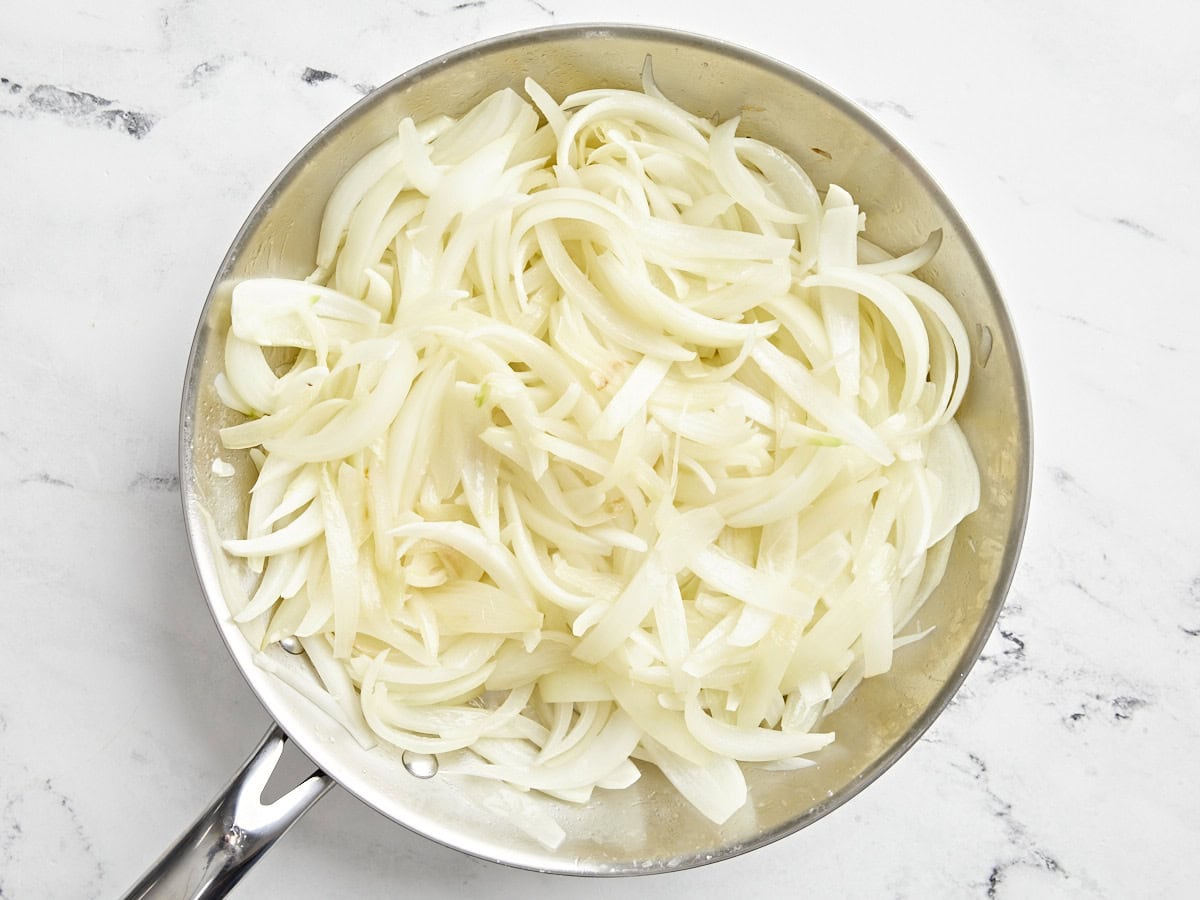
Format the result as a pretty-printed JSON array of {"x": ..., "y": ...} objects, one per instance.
[{"x": 597, "y": 435}]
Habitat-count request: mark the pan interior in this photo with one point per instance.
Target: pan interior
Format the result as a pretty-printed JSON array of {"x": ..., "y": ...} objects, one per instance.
[{"x": 647, "y": 827}]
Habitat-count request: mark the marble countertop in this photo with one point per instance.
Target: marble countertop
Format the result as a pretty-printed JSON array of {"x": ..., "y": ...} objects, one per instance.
[{"x": 135, "y": 137}]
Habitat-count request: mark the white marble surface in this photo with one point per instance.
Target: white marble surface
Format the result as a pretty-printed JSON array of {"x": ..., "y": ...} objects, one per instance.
[{"x": 134, "y": 138}]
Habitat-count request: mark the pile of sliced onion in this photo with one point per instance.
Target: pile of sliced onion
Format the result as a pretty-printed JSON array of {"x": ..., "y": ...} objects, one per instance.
[{"x": 597, "y": 435}]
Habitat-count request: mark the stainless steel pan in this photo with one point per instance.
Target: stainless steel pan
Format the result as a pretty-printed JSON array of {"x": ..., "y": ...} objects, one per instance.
[{"x": 646, "y": 828}]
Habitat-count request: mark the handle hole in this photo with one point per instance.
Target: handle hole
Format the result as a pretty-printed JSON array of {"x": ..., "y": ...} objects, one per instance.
[{"x": 294, "y": 767}]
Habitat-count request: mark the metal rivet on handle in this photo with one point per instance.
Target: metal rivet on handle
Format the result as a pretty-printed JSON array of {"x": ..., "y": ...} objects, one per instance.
[
  {"x": 985, "y": 344},
  {"x": 420, "y": 765}
]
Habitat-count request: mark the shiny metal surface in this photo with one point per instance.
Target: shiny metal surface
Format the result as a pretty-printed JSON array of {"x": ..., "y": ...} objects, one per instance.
[
  {"x": 236, "y": 828},
  {"x": 291, "y": 645},
  {"x": 646, "y": 828}
]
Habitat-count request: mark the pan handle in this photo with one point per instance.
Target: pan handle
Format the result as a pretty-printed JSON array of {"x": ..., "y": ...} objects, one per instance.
[{"x": 233, "y": 832}]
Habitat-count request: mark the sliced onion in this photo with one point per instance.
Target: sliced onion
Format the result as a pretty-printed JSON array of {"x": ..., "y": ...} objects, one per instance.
[{"x": 596, "y": 434}]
